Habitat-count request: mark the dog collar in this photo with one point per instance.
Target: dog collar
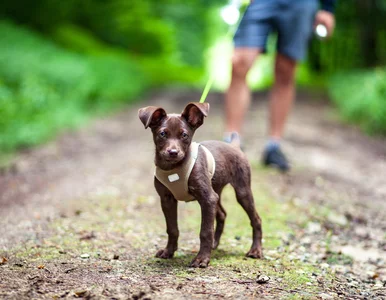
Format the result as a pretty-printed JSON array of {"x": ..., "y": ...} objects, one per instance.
[{"x": 176, "y": 180}]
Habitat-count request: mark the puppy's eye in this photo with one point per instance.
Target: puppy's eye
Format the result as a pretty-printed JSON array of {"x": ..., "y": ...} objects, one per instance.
[
  {"x": 184, "y": 135},
  {"x": 162, "y": 134}
]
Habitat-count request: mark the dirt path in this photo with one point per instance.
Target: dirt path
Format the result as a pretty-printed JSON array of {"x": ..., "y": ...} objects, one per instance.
[{"x": 80, "y": 217}]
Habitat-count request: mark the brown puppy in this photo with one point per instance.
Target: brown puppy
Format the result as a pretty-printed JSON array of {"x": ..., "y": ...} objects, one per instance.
[{"x": 172, "y": 135}]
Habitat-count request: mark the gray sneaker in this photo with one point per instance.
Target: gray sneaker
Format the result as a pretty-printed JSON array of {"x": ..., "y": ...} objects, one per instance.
[{"x": 274, "y": 157}]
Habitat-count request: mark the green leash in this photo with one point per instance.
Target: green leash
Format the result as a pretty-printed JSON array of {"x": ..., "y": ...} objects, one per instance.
[
  {"x": 206, "y": 89},
  {"x": 210, "y": 81}
]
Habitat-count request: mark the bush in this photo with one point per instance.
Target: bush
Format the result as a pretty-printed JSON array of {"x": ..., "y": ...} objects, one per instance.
[
  {"x": 44, "y": 88},
  {"x": 361, "y": 98}
]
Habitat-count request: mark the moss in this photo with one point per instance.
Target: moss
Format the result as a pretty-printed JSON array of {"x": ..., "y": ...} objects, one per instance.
[{"x": 334, "y": 258}]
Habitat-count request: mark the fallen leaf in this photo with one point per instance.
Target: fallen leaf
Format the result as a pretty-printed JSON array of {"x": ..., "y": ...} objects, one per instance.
[
  {"x": 3, "y": 260},
  {"x": 80, "y": 293},
  {"x": 88, "y": 236}
]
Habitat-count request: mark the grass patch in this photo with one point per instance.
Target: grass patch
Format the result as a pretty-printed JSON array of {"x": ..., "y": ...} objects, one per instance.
[{"x": 334, "y": 258}]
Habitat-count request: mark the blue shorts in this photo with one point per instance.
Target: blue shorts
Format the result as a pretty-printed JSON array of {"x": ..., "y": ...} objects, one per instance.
[{"x": 292, "y": 20}]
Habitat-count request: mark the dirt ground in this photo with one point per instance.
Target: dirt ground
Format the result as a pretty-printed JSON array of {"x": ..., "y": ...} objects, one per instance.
[{"x": 79, "y": 216}]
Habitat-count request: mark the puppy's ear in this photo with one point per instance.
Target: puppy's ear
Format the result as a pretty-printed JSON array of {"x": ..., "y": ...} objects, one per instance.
[
  {"x": 151, "y": 116},
  {"x": 194, "y": 113}
]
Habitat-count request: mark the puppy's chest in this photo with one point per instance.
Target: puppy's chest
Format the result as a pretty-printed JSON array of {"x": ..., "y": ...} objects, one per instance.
[{"x": 176, "y": 180}]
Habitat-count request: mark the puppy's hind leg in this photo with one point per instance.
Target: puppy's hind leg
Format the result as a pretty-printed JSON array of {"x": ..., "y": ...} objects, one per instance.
[
  {"x": 220, "y": 220},
  {"x": 245, "y": 198}
]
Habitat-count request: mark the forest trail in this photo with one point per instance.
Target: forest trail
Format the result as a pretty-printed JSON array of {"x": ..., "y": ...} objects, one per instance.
[{"x": 79, "y": 216}]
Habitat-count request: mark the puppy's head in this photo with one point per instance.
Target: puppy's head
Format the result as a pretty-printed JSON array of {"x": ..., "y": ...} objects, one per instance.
[{"x": 173, "y": 133}]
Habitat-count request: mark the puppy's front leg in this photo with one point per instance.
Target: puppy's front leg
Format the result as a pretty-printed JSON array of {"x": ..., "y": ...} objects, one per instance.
[{"x": 208, "y": 212}]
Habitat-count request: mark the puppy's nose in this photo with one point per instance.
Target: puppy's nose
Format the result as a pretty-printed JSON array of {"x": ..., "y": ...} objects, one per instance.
[{"x": 173, "y": 152}]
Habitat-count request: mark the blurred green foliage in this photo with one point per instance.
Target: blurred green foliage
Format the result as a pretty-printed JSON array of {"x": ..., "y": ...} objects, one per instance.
[
  {"x": 361, "y": 98},
  {"x": 64, "y": 61},
  {"x": 352, "y": 61},
  {"x": 44, "y": 88},
  {"x": 359, "y": 39},
  {"x": 91, "y": 56},
  {"x": 147, "y": 27}
]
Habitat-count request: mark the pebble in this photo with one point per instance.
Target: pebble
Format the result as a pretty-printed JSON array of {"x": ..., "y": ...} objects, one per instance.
[
  {"x": 337, "y": 219},
  {"x": 85, "y": 255},
  {"x": 325, "y": 296},
  {"x": 261, "y": 279},
  {"x": 313, "y": 227},
  {"x": 324, "y": 266}
]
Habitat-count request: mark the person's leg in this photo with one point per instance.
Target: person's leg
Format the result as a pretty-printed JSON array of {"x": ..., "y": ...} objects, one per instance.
[
  {"x": 250, "y": 40},
  {"x": 294, "y": 24},
  {"x": 282, "y": 95},
  {"x": 238, "y": 95}
]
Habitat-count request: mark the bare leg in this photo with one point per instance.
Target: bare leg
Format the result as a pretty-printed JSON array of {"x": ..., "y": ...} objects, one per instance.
[
  {"x": 238, "y": 95},
  {"x": 282, "y": 95}
]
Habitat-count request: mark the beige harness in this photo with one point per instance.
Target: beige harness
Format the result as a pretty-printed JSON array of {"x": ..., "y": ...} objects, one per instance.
[{"x": 176, "y": 180}]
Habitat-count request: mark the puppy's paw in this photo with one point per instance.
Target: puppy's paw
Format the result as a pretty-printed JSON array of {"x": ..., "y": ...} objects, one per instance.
[
  {"x": 200, "y": 261},
  {"x": 255, "y": 253},
  {"x": 164, "y": 253}
]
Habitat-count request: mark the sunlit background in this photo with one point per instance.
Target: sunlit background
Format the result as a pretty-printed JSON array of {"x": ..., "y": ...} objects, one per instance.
[{"x": 62, "y": 62}]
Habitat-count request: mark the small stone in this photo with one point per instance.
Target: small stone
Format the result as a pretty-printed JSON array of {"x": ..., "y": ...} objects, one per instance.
[
  {"x": 337, "y": 219},
  {"x": 372, "y": 275},
  {"x": 340, "y": 269},
  {"x": 313, "y": 227},
  {"x": 85, "y": 255},
  {"x": 324, "y": 266},
  {"x": 261, "y": 279},
  {"x": 306, "y": 240},
  {"x": 325, "y": 296}
]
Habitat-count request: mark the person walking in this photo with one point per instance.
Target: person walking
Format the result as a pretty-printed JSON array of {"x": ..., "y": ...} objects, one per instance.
[{"x": 294, "y": 21}]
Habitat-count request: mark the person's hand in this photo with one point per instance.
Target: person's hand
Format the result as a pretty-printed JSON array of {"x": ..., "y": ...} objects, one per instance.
[{"x": 327, "y": 19}]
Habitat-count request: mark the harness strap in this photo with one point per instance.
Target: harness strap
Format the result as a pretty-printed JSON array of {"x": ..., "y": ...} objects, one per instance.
[{"x": 176, "y": 180}]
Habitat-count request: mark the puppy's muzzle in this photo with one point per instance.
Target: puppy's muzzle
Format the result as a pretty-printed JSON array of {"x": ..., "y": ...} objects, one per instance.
[{"x": 173, "y": 153}]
